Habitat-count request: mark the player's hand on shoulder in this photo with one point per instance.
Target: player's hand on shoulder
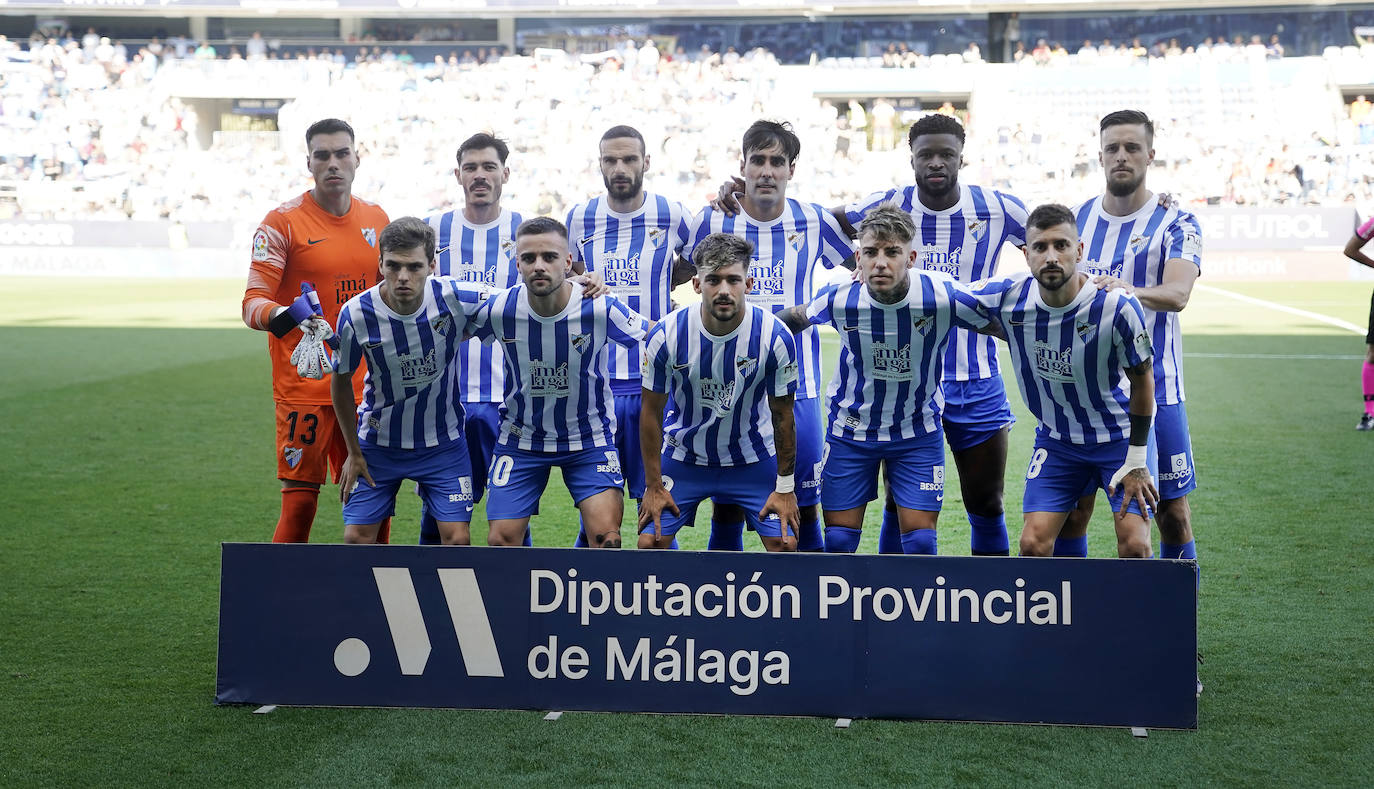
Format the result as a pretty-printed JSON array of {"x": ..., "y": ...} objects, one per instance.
[
  {"x": 1167, "y": 200},
  {"x": 726, "y": 200},
  {"x": 592, "y": 285},
  {"x": 1108, "y": 282}
]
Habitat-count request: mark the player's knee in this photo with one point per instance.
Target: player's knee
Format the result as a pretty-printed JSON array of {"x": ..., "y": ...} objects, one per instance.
[
  {"x": 609, "y": 539},
  {"x": 1369, "y": 354},
  {"x": 984, "y": 500},
  {"x": 647, "y": 540},
  {"x": 1175, "y": 520},
  {"x": 355, "y": 534},
  {"x": 1034, "y": 546},
  {"x": 1133, "y": 547},
  {"x": 779, "y": 544}
]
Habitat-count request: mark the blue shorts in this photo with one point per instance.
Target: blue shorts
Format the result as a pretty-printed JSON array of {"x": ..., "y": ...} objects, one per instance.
[
  {"x": 517, "y": 478},
  {"x": 627, "y": 440},
  {"x": 806, "y": 418},
  {"x": 975, "y": 411},
  {"x": 748, "y": 486},
  {"x": 441, "y": 475},
  {"x": 1175, "y": 473},
  {"x": 1060, "y": 473},
  {"x": 915, "y": 472},
  {"x": 481, "y": 425}
]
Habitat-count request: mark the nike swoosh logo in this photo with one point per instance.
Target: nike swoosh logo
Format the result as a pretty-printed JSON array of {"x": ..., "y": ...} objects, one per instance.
[
  {"x": 682, "y": 366},
  {"x": 584, "y": 241},
  {"x": 313, "y": 241}
]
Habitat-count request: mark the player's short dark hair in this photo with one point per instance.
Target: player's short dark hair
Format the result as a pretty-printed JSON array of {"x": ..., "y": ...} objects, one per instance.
[
  {"x": 482, "y": 140},
  {"x": 328, "y": 126},
  {"x": 935, "y": 123},
  {"x": 408, "y": 232},
  {"x": 1129, "y": 118},
  {"x": 889, "y": 223},
  {"x": 540, "y": 225},
  {"x": 1051, "y": 215},
  {"x": 766, "y": 134},
  {"x": 619, "y": 132},
  {"x": 719, "y": 250}
]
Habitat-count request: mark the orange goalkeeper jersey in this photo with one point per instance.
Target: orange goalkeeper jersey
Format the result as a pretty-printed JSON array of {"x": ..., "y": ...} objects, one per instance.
[{"x": 300, "y": 242}]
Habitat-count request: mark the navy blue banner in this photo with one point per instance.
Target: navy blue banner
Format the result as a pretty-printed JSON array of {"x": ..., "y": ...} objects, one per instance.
[{"x": 1072, "y": 641}]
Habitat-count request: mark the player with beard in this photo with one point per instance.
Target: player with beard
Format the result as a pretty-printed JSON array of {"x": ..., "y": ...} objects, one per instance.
[
  {"x": 1152, "y": 250},
  {"x": 633, "y": 239}
]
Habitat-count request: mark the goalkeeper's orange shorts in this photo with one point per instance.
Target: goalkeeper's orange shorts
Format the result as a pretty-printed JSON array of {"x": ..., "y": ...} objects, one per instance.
[{"x": 309, "y": 443}]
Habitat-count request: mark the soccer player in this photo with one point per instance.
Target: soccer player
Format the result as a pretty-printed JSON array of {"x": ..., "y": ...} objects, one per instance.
[
  {"x": 477, "y": 244},
  {"x": 557, "y": 408},
  {"x": 409, "y": 327},
  {"x": 963, "y": 229},
  {"x": 885, "y": 396},
  {"x": 1152, "y": 250},
  {"x": 326, "y": 237},
  {"x": 1083, "y": 362},
  {"x": 791, "y": 239},
  {"x": 730, "y": 369},
  {"x": 634, "y": 240},
  {"x": 1354, "y": 249}
]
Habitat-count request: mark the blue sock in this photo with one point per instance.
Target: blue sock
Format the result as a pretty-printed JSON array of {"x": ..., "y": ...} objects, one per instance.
[
  {"x": 809, "y": 537},
  {"x": 672, "y": 546},
  {"x": 529, "y": 542},
  {"x": 581, "y": 541},
  {"x": 726, "y": 536},
  {"x": 1187, "y": 550},
  {"x": 989, "y": 535},
  {"x": 919, "y": 541},
  {"x": 890, "y": 535},
  {"x": 839, "y": 539},
  {"x": 1071, "y": 546},
  {"x": 429, "y": 528}
]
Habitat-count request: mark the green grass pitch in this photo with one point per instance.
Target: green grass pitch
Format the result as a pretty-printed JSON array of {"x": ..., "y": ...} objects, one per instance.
[{"x": 137, "y": 436}]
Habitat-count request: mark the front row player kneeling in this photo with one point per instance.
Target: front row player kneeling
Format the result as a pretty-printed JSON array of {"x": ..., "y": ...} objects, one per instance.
[
  {"x": 719, "y": 360},
  {"x": 1083, "y": 361}
]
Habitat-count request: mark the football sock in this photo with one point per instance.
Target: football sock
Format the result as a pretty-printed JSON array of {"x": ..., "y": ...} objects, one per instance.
[
  {"x": 890, "y": 535},
  {"x": 1187, "y": 550},
  {"x": 429, "y": 528},
  {"x": 919, "y": 541},
  {"x": 384, "y": 532},
  {"x": 581, "y": 541},
  {"x": 839, "y": 539},
  {"x": 1071, "y": 546},
  {"x": 1368, "y": 380},
  {"x": 297, "y": 514},
  {"x": 809, "y": 537},
  {"x": 529, "y": 541},
  {"x": 989, "y": 535},
  {"x": 725, "y": 536}
]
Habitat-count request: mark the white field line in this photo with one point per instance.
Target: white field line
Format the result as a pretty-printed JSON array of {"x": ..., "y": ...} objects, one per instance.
[{"x": 1273, "y": 305}]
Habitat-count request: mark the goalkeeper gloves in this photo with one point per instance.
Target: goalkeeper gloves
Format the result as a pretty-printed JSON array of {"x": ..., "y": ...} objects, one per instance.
[{"x": 311, "y": 357}]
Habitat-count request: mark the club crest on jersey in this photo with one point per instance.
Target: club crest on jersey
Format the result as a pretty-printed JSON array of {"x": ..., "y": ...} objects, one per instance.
[
  {"x": 1056, "y": 364},
  {"x": 977, "y": 229},
  {"x": 1138, "y": 242},
  {"x": 794, "y": 239},
  {"x": 1084, "y": 330},
  {"x": 292, "y": 456},
  {"x": 260, "y": 245},
  {"x": 745, "y": 364},
  {"x": 922, "y": 324},
  {"x": 370, "y": 236},
  {"x": 508, "y": 248},
  {"x": 443, "y": 325},
  {"x": 657, "y": 236},
  {"x": 579, "y": 342}
]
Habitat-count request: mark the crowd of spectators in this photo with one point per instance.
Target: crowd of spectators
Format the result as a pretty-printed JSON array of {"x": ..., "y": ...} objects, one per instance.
[{"x": 66, "y": 123}]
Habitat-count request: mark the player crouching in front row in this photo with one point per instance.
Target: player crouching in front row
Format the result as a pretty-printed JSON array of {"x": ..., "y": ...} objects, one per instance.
[
  {"x": 720, "y": 360},
  {"x": 408, "y": 327}
]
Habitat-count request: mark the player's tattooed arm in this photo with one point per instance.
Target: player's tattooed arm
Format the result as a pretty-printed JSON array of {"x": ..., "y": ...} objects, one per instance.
[
  {"x": 783, "y": 501},
  {"x": 794, "y": 318}
]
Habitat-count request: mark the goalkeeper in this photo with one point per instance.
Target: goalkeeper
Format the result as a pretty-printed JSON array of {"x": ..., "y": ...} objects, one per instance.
[{"x": 327, "y": 237}]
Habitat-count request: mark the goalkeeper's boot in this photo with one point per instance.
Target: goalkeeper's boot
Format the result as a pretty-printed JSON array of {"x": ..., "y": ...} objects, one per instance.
[{"x": 1366, "y": 422}]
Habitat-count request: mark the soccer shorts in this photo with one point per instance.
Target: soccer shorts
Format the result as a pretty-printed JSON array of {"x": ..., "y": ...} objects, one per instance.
[
  {"x": 748, "y": 486},
  {"x": 975, "y": 411},
  {"x": 806, "y": 418},
  {"x": 441, "y": 474},
  {"x": 1060, "y": 473},
  {"x": 517, "y": 478},
  {"x": 627, "y": 440},
  {"x": 308, "y": 443},
  {"x": 915, "y": 471},
  {"x": 1175, "y": 473},
  {"x": 481, "y": 426}
]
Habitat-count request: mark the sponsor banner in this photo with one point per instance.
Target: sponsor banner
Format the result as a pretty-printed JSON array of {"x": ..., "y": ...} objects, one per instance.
[
  {"x": 1280, "y": 265},
  {"x": 163, "y": 234},
  {"x": 1298, "y": 227},
  {"x": 1068, "y": 641},
  {"x": 108, "y": 262}
]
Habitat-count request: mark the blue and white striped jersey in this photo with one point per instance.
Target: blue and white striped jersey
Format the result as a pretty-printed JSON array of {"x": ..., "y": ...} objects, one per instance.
[
  {"x": 634, "y": 253},
  {"x": 786, "y": 253},
  {"x": 720, "y": 385},
  {"x": 408, "y": 399},
  {"x": 1135, "y": 248},
  {"x": 558, "y": 393},
  {"x": 1070, "y": 361},
  {"x": 964, "y": 242},
  {"x": 485, "y": 254},
  {"x": 886, "y": 385}
]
